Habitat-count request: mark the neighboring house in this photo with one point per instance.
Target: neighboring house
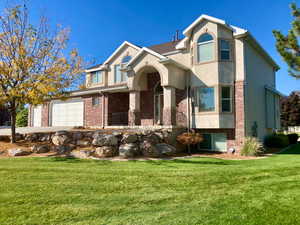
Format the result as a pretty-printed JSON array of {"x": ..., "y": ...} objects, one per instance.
[{"x": 217, "y": 79}]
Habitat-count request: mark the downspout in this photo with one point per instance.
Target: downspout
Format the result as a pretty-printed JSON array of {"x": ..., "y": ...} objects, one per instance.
[
  {"x": 188, "y": 102},
  {"x": 103, "y": 109},
  {"x": 188, "y": 109}
]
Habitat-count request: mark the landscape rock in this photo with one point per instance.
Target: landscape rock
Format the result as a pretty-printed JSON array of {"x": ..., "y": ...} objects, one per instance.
[
  {"x": 129, "y": 150},
  {"x": 106, "y": 151},
  {"x": 40, "y": 148},
  {"x": 44, "y": 137},
  {"x": 149, "y": 149},
  {"x": 60, "y": 139},
  {"x": 165, "y": 149},
  {"x": 129, "y": 138},
  {"x": 81, "y": 154},
  {"x": 18, "y": 152},
  {"x": 105, "y": 140},
  {"x": 77, "y": 136},
  {"x": 62, "y": 149},
  {"x": 152, "y": 138},
  {"x": 31, "y": 137},
  {"x": 83, "y": 143},
  {"x": 61, "y": 132}
]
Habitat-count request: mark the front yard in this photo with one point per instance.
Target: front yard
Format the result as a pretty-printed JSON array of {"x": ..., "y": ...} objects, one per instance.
[{"x": 185, "y": 191}]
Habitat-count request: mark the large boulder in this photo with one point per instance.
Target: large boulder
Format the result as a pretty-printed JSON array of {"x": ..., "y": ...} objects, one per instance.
[
  {"x": 44, "y": 137},
  {"x": 83, "y": 143},
  {"x": 106, "y": 151},
  {"x": 149, "y": 149},
  {"x": 152, "y": 138},
  {"x": 60, "y": 139},
  {"x": 32, "y": 137},
  {"x": 165, "y": 149},
  {"x": 105, "y": 140},
  {"x": 130, "y": 138},
  {"x": 40, "y": 149},
  {"x": 81, "y": 154},
  {"x": 64, "y": 149},
  {"x": 77, "y": 136},
  {"x": 129, "y": 150},
  {"x": 18, "y": 152}
]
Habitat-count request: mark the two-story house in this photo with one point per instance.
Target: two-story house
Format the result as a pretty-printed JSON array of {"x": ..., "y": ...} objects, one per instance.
[{"x": 217, "y": 79}]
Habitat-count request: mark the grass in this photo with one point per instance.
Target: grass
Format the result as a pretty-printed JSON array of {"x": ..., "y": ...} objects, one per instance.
[{"x": 184, "y": 191}]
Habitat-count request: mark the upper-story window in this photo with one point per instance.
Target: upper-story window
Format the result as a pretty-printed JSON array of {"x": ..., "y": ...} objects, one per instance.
[
  {"x": 225, "y": 50},
  {"x": 205, "y": 48},
  {"x": 96, "y": 77},
  {"x": 121, "y": 76}
]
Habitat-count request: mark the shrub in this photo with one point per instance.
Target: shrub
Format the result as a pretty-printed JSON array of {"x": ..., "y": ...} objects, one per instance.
[
  {"x": 276, "y": 141},
  {"x": 293, "y": 138},
  {"x": 190, "y": 138},
  {"x": 22, "y": 117},
  {"x": 251, "y": 147}
]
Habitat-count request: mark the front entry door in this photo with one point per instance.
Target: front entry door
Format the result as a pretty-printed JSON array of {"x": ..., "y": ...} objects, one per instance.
[{"x": 158, "y": 108}]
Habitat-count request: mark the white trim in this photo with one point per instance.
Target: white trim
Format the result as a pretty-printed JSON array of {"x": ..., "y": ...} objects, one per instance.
[
  {"x": 171, "y": 53},
  {"x": 144, "y": 49},
  {"x": 168, "y": 60},
  {"x": 205, "y": 17},
  {"x": 119, "y": 48},
  {"x": 182, "y": 44}
]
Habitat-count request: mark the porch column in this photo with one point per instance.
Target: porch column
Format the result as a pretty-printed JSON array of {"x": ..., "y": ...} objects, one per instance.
[
  {"x": 169, "y": 112},
  {"x": 134, "y": 112}
]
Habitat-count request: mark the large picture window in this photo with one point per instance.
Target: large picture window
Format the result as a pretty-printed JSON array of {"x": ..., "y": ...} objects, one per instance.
[
  {"x": 96, "y": 77},
  {"x": 226, "y": 99},
  {"x": 206, "y": 99},
  {"x": 121, "y": 76},
  {"x": 205, "y": 48}
]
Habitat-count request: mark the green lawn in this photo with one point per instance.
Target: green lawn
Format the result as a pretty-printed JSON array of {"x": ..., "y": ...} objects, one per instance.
[{"x": 188, "y": 191}]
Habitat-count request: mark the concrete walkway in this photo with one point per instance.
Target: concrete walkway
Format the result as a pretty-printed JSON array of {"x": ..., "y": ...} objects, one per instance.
[{"x": 25, "y": 130}]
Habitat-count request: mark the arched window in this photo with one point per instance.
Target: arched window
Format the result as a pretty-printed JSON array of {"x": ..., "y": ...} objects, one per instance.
[
  {"x": 126, "y": 59},
  {"x": 205, "y": 48}
]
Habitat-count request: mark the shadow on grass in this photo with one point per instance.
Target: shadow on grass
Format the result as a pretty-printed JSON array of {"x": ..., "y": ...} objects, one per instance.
[
  {"x": 291, "y": 150},
  {"x": 192, "y": 162}
]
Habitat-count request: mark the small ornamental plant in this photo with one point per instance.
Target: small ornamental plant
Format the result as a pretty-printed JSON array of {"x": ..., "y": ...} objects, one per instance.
[
  {"x": 251, "y": 147},
  {"x": 190, "y": 138}
]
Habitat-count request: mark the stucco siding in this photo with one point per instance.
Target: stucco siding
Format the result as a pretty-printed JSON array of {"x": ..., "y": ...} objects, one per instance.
[{"x": 258, "y": 74}]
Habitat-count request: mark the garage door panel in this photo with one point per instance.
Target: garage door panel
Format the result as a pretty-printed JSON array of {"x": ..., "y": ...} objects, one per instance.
[
  {"x": 37, "y": 116},
  {"x": 68, "y": 113}
]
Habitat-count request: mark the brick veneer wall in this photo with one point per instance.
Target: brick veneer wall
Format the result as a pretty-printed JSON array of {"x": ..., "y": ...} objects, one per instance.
[
  {"x": 45, "y": 114},
  {"x": 239, "y": 114},
  {"x": 92, "y": 114},
  {"x": 117, "y": 108}
]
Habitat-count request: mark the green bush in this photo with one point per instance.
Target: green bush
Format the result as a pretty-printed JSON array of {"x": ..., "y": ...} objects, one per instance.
[
  {"x": 22, "y": 118},
  {"x": 276, "y": 141},
  {"x": 251, "y": 147},
  {"x": 293, "y": 138}
]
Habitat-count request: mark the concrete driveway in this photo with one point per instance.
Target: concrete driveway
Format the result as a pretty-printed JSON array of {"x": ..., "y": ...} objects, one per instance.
[{"x": 25, "y": 130}]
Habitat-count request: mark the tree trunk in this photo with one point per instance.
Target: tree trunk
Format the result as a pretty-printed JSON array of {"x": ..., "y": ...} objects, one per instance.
[{"x": 13, "y": 123}]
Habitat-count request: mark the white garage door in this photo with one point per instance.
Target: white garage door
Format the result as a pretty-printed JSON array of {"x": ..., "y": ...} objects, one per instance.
[
  {"x": 37, "y": 116},
  {"x": 67, "y": 113}
]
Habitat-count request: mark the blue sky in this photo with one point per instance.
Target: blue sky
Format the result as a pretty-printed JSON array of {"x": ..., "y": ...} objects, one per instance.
[{"x": 98, "y": 27}]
